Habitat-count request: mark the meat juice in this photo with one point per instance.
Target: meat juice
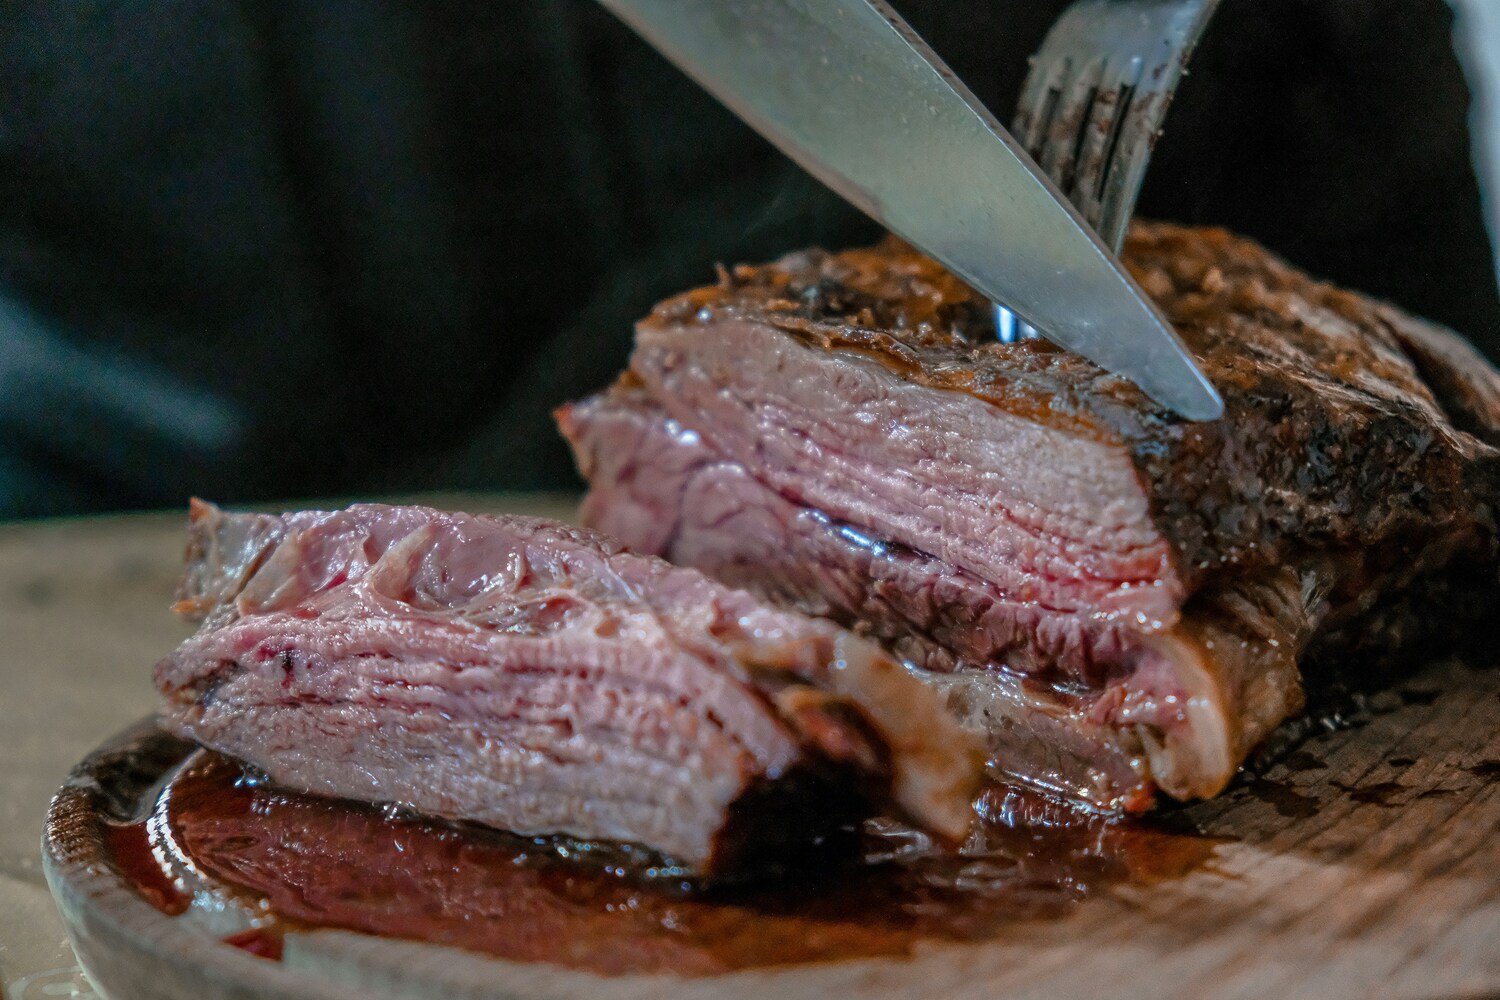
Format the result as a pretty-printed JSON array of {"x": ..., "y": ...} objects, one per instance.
[{"x": 305, "y": 863}]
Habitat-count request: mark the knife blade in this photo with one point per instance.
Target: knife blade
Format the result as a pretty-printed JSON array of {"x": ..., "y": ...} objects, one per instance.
[{"x": 848, "y": 91}]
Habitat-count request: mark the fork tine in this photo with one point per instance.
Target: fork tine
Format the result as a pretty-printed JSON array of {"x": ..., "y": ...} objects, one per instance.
[
  {"x": 1063, "y": 139},
  {"x": 1160, "y": 74},
  {"x": 1091, "y": 105},
  {"x": 1039, "y": 100},
  {"x": 1122, "y": 185},
  {"x": 1100, "y": 138},
  {"x": 1098, "y": 89}
]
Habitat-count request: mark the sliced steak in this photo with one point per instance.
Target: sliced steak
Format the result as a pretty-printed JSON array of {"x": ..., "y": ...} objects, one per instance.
[
  {"x": 530, "y": 676},
  {"x": 1117, "y": 598}
]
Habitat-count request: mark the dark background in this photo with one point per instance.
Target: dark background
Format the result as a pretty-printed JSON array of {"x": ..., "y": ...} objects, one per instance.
[{"x": 254, "y": 250}]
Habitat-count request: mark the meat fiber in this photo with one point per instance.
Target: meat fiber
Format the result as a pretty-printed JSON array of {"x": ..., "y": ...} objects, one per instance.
[
  {"x": 1116, "y": 598},
  {"x": 530, "y": 676}
]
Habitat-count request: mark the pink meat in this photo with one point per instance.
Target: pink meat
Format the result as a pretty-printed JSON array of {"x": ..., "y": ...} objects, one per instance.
[{"x": 530, "y": 676}]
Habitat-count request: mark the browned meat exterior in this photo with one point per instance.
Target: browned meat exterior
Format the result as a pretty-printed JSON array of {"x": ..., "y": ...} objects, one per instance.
[
  {"x": 1117, "y": 598},
  {"x": 530, "y": 676}
]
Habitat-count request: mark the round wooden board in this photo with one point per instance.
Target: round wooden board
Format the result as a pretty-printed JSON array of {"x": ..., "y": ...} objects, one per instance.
[{"x": 1364, "y": 864}]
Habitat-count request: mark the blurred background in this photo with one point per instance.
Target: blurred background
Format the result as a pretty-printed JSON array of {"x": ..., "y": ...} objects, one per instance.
[{"x": 255, "y": 250}]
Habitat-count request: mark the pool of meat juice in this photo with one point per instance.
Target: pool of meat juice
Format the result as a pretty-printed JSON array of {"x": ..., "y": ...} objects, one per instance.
[{"x": 301, "y": 862}]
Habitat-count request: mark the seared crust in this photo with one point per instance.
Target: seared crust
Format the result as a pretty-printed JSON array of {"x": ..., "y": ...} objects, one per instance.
[{"x": 1333, "y": 438}]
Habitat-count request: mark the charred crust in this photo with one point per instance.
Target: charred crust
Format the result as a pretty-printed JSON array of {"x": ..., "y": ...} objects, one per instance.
[{"x": 1348, "y": 424}]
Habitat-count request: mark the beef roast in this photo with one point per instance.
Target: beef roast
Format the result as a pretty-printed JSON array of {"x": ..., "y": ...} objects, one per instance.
[
  {"x": 1117, "y": 598},
  {"x": 530, "y": 676}
]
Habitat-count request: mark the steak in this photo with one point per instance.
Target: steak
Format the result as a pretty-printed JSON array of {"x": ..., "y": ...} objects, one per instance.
[
  {"x": 1119, "y": 600},
  {"x": 530, "y": 676}
]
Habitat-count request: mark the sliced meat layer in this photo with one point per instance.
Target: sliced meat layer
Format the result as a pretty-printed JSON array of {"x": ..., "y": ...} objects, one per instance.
[
  {"x": 1126, "y": 593},
  {"x": 1080, "y": 705},
  {"x": 531, "y": 676}
]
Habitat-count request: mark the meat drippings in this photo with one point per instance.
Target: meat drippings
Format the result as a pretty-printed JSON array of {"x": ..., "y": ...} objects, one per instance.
[{"x": 305, "y": 863}]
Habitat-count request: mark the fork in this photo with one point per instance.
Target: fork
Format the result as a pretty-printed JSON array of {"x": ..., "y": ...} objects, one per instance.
[{"x": 1093, "y": 103}]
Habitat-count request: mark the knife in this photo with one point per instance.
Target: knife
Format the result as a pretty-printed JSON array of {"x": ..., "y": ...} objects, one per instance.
[{"x": 848, "y": 90}]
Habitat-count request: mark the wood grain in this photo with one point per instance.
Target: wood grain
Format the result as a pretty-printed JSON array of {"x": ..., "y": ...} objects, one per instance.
[{"x": 1364, "y": 864}]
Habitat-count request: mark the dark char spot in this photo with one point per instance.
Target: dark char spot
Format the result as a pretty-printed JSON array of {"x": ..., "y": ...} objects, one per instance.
[
  {"x": 1285, "y": 800},
  {"x": 1486, "y": 770},
  {"x": 1379, "y": 794},
  {"x": 1299, "y": 761}
]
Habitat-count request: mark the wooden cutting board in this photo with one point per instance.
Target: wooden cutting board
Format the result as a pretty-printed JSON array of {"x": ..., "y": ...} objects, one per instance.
[{"x": 1365, "y": 863}]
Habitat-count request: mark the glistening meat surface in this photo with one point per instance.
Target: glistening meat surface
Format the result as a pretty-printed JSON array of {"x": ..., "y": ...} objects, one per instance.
[
  {"x": 1068, "y": 730},
  {"x": 530, "y": 676},
  {"x": 1118, "y": 599}
]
